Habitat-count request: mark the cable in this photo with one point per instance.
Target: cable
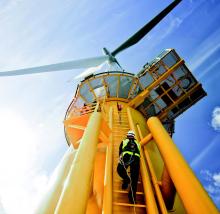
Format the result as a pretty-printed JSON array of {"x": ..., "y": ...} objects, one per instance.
[{"x": 130, "y": 161}]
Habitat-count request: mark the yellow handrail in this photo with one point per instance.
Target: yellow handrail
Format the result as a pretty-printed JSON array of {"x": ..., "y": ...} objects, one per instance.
[
  {"x": 162, "y": 205},
  {"x": 190, "y": 190},
  {"x": 148, "y": 191},
  {"x": 107, "y": 201},
  {"x": 76, "y": 191}
]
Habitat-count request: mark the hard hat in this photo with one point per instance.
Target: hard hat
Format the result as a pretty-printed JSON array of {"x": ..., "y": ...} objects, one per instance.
[{"x": 130, "y": 133}]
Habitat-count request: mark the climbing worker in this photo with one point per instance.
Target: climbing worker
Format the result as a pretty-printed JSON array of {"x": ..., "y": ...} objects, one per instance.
[
  {"x": 85, "y": 109},
  {"x": 119, "y": 107},
  {"x": 129, "y": 155}
]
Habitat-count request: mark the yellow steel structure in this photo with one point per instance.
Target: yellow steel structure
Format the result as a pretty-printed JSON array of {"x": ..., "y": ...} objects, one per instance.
[
  {"x": 194, "y": 197},
  {"x": 80, "y": 175},
  {"x": 107, "y": 201},
  {"x": 49, "y": 202},
  {"x": 87, "y": 181},
  {"x": 153, "y": 176},
  {"x": 148, "y": 191}
]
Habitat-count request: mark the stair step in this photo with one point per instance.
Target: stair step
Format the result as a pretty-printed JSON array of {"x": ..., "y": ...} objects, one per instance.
[
  {"x": 123, "y": 113},
  {"x": 117, "y": 186},
  {"x": 120, "y": 180},
  {"x": 119, "y": 125},
  {"x": 123, "y": 129},
  {"x": 120, "y": 197},
  {"x": 126, "y": 192},
  {"x": 127, "y": 210},
  {"x": 129, "y": 205},
  {"x": 123, "y": 198}
]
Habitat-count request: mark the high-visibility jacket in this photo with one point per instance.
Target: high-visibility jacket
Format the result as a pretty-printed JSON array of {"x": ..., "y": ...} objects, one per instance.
[{"x": 128, "y": 150}]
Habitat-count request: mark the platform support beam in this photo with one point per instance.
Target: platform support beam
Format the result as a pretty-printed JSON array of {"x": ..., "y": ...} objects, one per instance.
[
  {"x": 107, "y": 202},
  {"x": 77, "y": 188},
  {"x": 56, "y": 183},
  {"x": 190, "y": 190}
]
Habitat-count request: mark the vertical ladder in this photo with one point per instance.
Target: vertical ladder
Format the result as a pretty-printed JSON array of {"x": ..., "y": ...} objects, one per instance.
[{"x": 120, "y": 197}]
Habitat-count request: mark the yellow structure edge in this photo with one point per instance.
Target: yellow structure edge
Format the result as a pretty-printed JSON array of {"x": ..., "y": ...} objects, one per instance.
[
  {"x": 161, "y": 203},
  {"x": 107, "y": 201},
  {"x": 191, "y": 192},
  {"x": 145, "y": 139},
  {"x": 151, "y": 206},
  {"x": 77, "y": 188},
  {"x": 56, "y": 183}
]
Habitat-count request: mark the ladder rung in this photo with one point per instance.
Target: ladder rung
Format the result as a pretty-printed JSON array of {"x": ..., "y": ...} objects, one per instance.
[
  {"x": 129, "y": 205},
  {"x": 126, "y": 192},
  {"x": 122, "y": 128},
  {"x": 120, "y": 180}
]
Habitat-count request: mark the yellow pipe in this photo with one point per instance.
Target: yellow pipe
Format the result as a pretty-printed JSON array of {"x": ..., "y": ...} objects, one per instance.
[
  {"x": 151, "y": 206},
  {"x": 107, "y": 202},
  {"x": 193, "y": 195},
  {"x": 75, "y": 194},
  {"x": 49, "y": 201},
  {"x": 162, "y": 205},
  {"x": 146, "y": 139}
]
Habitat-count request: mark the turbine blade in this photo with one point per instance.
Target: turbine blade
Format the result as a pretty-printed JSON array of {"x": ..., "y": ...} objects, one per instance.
[
  {"x": 74, "y": 64},
  {"x": 148, "y": 27}
]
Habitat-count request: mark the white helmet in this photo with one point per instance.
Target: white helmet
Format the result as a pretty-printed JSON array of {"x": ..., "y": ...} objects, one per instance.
[{"x": 130, "y": 133}]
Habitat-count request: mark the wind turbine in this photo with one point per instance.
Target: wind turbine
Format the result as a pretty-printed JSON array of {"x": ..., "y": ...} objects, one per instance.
[
  {"x": 109, "y": 56},
  {"x": 86, "y": 179}
]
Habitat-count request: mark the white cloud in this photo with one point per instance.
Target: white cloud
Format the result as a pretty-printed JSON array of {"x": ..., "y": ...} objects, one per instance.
[
  {"x": 210, "y": 189},
  {"x": 206, "y": 152},
  {"x": 25, "y": 147},
  {"x": 21, "y": 181},
  {"x": 206, "y": 174},
  {"x": 205, "y": 50},
  {"x": 175, "y": 22},
  {"x": 173, "y": 25},
  {"x": 213, "y": 184},
  {"x": 203, "y": 154},
  {"x": 206, "y": 71},
  {"x": 216, "y": 178},
  {"x": 216, "y": 118},
  {"x": 2, "y": 210},
  {"x": 205, "y": 55}
]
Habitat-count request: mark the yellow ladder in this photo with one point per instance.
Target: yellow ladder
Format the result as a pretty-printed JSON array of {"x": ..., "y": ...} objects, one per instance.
[{"x": 120, "y": 197}]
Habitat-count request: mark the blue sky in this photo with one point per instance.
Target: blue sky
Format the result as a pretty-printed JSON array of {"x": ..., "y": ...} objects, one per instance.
[{"x": 32, "y": 107}]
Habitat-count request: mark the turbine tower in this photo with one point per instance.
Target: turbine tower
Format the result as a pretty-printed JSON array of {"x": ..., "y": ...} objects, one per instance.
[{"x": 87, "y": 181}]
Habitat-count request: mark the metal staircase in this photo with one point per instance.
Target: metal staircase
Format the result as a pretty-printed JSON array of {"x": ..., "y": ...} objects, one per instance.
[{"x": 120, "y": 197}]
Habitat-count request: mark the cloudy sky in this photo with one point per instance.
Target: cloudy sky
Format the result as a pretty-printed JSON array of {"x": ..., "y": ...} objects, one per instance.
[{"x": 32, "y": 107}]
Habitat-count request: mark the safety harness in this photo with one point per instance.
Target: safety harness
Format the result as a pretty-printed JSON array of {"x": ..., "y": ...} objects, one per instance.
[{"x": 132, "y": 149}]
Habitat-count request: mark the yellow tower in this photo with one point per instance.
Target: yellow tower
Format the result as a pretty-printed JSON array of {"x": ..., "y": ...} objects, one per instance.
[{"x": 86, "y": 180}]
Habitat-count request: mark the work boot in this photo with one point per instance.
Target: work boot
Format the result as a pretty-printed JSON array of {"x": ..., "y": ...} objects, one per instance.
[
  {"x": 132, "y": 198},
  {"x": 124, "y": 184}
]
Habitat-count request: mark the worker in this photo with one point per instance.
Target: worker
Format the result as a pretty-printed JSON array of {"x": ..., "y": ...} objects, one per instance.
[
  {"x": 85, "y": 109},
  {"x": 129, "y": 156},
  {"x": 119, "y": 107}
]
